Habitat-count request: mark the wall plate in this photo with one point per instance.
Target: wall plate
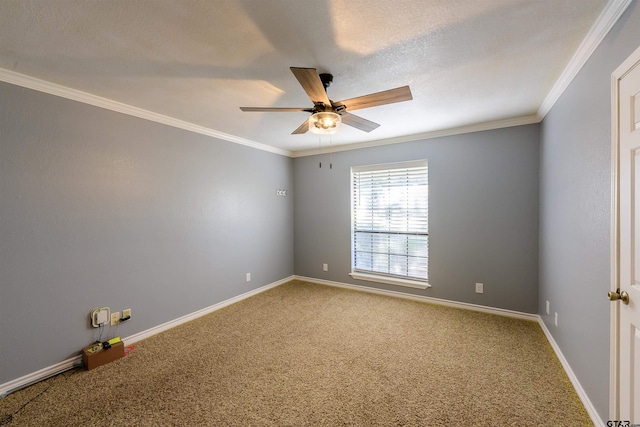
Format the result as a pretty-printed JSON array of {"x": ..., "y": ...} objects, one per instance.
[{"x": 100, "y": 316}]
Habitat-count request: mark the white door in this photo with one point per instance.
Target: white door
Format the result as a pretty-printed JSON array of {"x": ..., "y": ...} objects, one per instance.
[{"x": 628, "y": 217}]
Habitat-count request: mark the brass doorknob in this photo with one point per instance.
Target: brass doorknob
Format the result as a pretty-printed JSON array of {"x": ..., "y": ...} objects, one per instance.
[{"x": 617, "y": 295}]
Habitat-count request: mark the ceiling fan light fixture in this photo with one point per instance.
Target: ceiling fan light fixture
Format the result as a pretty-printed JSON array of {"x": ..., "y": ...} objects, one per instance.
[{"x": 324, "y": 123}]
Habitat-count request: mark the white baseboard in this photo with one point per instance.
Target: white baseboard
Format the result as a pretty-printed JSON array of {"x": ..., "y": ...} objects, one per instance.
[
  {"x": 431, "y": 300},
  {"x": 42, "y": 374},
  {"x": 180, "y": 320},
  {"x": 591, "y": 410},
  {"x": 70, "y": 363},
  {"x": 584, "y": 398}
]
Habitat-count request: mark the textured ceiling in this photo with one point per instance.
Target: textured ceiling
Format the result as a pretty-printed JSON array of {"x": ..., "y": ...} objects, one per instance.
[{"x": 467, "y": 62}]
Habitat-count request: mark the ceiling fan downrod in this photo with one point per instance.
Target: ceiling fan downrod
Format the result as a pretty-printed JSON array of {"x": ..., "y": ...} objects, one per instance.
[{"x": 326, "y": 80}]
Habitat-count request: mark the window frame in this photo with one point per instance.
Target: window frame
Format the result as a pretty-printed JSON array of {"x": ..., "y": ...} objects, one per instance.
[{"x": 381, "y": 277}]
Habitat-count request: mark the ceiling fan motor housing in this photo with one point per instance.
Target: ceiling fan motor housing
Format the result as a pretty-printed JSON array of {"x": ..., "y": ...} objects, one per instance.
[
  {"x": 333, "y": 113},
  {"x": 326, "y": 79}
]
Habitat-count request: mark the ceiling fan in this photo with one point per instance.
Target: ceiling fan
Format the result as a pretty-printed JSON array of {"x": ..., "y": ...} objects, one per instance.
[{"x": 327, "y": 115}]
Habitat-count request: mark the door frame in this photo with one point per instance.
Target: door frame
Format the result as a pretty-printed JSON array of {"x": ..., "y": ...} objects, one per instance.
[{"x": 614, "y": 368}]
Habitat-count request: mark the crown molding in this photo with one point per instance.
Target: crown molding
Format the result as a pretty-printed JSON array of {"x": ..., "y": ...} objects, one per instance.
[
  {"x": 477, "y": 127},
  {"x": 607, "y": 19},
  {"x": 29, "y": 82},
  {"x": 44, "y": 86}
]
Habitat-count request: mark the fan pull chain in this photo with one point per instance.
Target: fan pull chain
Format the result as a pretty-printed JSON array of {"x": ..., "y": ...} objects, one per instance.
[{"x": 330, "y": 153}]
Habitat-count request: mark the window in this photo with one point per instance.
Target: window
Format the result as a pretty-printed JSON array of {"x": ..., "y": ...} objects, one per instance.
[{"x": 390, "y": 223}]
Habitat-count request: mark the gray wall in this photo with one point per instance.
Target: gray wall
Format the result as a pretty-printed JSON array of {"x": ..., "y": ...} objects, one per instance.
[
  {"x": 575, "y": 209},
  {"x": 483, "y": 215},
  {"x": 102, "y": 209},
  {"x": 98, "y": 208}
]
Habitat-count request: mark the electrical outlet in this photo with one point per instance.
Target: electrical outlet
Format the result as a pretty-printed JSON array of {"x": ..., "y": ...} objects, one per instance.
[
  {"x": 115, "y": 318},
  {"x": 126, "y": 313},
  {"x": 325, "y": 267},
  {"x": 248, "y": 277},
  {"x": 479, "y": 288},
  {"x": 548, "y": 305},
  {"x": 556, "y": 319}
]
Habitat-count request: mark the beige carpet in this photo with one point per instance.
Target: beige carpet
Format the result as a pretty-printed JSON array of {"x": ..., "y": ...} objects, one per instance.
[{"x": 309, "y": 355}]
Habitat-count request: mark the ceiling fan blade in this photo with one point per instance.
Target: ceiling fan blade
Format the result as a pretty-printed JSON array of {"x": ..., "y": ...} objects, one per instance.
[
  {"x": 274, "y": 110},
  {"x": 358, "y": 122},
  {"x": 312, "y": 85},
  {"x": 303, "y": 128},
  {"x": 379, "y": 98}
]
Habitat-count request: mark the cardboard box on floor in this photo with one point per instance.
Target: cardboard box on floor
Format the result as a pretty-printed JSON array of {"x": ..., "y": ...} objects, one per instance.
[{"x": 103, "y": 356}]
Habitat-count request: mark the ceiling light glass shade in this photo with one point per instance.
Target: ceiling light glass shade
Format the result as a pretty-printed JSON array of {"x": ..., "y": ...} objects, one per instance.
[{"x": 324, "y": 123}]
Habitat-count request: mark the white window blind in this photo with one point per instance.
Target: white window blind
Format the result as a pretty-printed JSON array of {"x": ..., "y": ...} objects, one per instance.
[{"x": 390, "y": 220}]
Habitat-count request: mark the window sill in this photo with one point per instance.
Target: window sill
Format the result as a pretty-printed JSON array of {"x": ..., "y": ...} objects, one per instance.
[{"x": 390, "y": 280}]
